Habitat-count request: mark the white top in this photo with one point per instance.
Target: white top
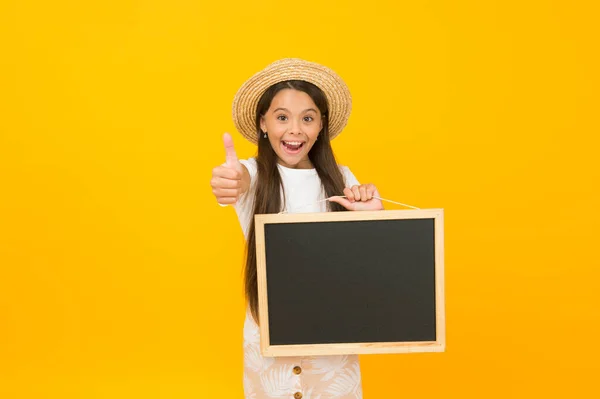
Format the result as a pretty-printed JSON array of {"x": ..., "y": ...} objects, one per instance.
[
  {"x": 301, "y": 187},
  {"x": 308, "y": 377}
]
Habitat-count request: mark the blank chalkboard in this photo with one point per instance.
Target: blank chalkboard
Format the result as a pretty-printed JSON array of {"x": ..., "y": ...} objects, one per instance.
[{"x": 351, "y": 282}]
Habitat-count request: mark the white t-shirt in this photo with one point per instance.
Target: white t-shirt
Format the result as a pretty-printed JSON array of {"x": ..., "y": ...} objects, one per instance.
[{"x": 301, "y": 187}]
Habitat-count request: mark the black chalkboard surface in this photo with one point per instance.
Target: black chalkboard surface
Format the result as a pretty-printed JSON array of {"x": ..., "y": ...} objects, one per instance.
[{"x": 351, "y": 282}]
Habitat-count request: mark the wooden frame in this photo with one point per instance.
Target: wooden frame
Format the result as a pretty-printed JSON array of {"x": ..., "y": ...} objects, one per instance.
[{"x": 351, "y": 348}]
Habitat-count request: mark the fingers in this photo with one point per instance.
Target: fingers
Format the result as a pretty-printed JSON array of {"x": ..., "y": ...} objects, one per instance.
[
  {"x": 226, "y": 179},
  {"x": 362, "y": 189},
  {"x": 230, "y": 154},
  {"x": 226, "y": 200},
  {"x": 226, "y": 184},
  {"x": 349, "y": 194},
  {"x": 371, "y": 190},
  {"x": 360, "y": 198},
  {"x": 356, "y": 193},
  {"x": 364, "y": 192},
  {"x": 343, "y": 202},
  {"x": 219, "y": 182},
  {"x": 226, "y": 172},
  {"x": 226, "y": 193}
]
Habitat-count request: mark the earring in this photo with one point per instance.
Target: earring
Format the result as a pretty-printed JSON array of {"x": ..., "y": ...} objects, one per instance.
[{"x": 265, "y": 136}]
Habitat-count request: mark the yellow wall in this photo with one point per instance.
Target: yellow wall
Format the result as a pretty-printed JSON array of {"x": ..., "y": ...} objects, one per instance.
[{"x": 119, "y": 274}]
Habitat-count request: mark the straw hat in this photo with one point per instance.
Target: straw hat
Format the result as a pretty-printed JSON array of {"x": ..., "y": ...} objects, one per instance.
[{"x": 337, "y": 93}]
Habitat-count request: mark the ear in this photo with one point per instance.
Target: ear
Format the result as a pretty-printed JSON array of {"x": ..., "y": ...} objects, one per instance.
[
  {"x": 321, "y": 127},
  {"x": 263, "y": 125}
]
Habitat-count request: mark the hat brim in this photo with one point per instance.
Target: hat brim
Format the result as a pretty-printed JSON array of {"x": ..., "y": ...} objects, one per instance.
[{"x": 336, "y": 91}]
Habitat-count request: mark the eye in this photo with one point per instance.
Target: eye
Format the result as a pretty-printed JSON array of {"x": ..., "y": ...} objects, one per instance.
[
  {"x": 282, "y": 117},
  {"x": 308, "y": 118}
]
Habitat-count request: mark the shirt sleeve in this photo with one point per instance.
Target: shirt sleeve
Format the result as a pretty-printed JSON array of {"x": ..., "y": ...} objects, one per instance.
[
  {"x": 252, "y": 167},
  {"x": 349, "y": 177}
]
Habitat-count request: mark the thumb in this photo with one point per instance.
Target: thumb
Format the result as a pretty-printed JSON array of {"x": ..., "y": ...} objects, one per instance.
[
  {"x": 343, "y": 202},
  {"x": 230, "y": 155}
]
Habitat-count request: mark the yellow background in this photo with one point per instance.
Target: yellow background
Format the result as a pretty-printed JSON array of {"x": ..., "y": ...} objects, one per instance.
[{"x": 120, "y": 277}]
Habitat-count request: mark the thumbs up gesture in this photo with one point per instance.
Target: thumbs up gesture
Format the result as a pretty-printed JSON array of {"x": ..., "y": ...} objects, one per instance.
[{"x": 231, "y": 179}]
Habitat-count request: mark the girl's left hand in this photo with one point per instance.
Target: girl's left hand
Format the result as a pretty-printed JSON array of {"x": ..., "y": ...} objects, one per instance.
[{"x": 360, "y": 198}]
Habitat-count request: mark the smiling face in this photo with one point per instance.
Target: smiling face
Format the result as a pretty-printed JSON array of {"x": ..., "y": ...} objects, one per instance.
[{"x": 292, "y": 123}]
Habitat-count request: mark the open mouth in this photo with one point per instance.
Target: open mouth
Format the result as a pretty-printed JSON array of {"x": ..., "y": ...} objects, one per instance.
[{"x": 292, "y": 147}]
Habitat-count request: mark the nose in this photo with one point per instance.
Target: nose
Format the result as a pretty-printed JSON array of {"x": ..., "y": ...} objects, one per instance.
[{"x": 295, "y": 127}]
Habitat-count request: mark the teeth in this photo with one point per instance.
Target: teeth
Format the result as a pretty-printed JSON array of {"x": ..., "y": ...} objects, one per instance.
[{"x": 293, "y": 142}]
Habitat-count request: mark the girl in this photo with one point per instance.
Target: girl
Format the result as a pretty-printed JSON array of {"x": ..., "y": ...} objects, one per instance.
[{"x": 291, "y": 110}]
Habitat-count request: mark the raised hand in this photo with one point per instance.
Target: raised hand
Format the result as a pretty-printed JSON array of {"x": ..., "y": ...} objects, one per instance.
[{"x": 228, "y": 180}]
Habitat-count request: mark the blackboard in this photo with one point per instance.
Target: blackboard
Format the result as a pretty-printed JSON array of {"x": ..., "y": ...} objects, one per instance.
[{"x": 351, "y": 282}]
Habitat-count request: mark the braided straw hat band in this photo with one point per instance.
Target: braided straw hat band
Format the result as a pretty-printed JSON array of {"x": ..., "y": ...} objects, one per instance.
[{"x": 336, "y": 91}]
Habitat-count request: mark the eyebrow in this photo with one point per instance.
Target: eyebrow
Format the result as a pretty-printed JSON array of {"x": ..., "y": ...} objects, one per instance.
[{"x": 285, "y": 109}]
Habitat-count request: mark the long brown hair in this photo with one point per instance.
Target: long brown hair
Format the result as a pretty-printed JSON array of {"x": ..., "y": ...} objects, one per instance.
[{"x": 267, "y": 198}]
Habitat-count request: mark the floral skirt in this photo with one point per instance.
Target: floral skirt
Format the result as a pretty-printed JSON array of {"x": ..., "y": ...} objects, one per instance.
[{"x": 307, "y": 377}]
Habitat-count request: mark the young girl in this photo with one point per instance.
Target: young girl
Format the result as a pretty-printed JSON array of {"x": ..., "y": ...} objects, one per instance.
[{"x": 291, "y": 110}]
